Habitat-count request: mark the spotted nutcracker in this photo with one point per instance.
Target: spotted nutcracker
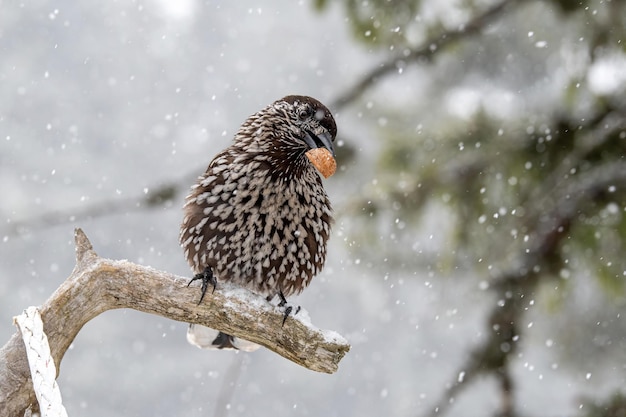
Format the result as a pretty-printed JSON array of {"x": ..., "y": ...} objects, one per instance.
[{"x": 259, "y": 216}]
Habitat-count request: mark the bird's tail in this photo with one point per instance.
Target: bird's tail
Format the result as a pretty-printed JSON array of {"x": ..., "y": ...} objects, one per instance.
[{"x": 207, "y": 338}]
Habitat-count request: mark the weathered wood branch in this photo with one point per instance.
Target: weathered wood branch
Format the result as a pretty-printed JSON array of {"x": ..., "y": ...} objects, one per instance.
[{"x": 97, "y": 285}]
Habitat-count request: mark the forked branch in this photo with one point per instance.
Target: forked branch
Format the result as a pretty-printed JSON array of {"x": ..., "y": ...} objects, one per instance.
[{"x": 97, "y": 285}]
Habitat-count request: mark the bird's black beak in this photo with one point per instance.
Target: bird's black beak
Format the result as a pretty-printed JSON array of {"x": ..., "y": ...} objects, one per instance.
[{"x": 323, "y": 140}]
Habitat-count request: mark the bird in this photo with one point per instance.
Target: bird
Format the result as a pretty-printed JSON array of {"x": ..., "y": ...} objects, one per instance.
[{"x": 259, "y": 217}]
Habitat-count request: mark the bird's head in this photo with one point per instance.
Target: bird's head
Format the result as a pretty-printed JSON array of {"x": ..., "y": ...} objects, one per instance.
[
  {"x": 287, "y": 129},
  {"x": 312, "y": 124}
]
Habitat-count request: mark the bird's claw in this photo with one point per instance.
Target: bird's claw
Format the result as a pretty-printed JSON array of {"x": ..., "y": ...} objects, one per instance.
[
  {"x": 288, "y": 308},
  {"x": 207, "y": 278}
]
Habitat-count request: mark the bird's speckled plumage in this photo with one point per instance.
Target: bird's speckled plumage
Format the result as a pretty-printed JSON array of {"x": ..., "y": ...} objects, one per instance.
[{"x": 259, "y": 217}]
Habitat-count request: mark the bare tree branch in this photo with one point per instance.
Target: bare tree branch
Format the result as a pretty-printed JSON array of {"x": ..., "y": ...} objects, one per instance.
[
  {"x": 97, "y": 285},
  {"x": 155, "y": 198},
  {"x": 425, "y": 51}
]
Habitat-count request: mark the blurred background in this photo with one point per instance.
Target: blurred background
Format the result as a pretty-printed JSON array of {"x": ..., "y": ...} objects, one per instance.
[{"x": 477, "y": 261}]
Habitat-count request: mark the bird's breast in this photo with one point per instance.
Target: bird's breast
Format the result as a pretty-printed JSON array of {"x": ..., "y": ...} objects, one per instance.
[{"x": 259, "y": 232}]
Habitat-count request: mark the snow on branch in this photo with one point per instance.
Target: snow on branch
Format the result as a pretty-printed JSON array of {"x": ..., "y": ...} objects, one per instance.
[{"x": 97, "y": 285}]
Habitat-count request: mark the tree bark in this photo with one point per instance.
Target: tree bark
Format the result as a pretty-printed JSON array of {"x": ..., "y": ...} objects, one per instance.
[{"x": 97, "y": 285}]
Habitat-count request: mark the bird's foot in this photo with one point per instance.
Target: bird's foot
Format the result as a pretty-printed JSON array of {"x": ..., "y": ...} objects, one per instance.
[
  {"x": 288, "y": 308},
  {"x": 207, "y": 278}
]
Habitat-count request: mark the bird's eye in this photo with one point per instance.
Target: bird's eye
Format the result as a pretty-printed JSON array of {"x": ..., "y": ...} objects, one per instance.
[{"x": 304, "y": 113}]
